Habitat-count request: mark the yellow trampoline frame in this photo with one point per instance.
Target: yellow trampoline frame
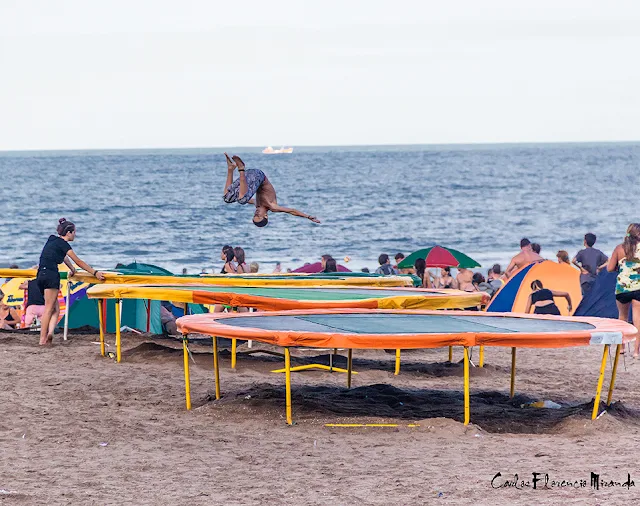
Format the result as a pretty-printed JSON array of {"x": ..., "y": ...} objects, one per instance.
[{"x": 603, "y": 334}]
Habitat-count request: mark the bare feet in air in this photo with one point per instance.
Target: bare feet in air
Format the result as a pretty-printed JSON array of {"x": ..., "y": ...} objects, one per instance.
[
  {"x": 230, "y": 165},
  {"x": 239, "y": 162}
]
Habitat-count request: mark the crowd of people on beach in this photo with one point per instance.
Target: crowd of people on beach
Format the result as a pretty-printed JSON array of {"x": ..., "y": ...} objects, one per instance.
[{"x": 625, "y": 259}]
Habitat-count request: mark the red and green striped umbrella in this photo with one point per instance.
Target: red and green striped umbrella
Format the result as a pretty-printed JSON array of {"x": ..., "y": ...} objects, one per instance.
[{"x": 437, "y": 256}]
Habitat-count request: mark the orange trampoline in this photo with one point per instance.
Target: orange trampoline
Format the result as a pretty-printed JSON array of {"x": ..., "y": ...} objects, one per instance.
[
  {"x": 294, "y": 297},
  {"x": 289, "y": 297},
  {"x": 380, "y": 329}
]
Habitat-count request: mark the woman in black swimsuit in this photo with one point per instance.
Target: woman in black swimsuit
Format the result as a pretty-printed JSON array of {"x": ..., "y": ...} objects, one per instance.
[
  {"x": 57, "y": 250},
  {"x": 542, "y": 300},
  {"x": 228, "y": 255},
  {"x": 9, "y": 317}
]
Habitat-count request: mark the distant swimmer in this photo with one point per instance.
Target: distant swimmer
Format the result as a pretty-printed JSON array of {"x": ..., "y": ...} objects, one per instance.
[
  {"x": 254, "y": 182},
  {"x": 525, "y": 257}
]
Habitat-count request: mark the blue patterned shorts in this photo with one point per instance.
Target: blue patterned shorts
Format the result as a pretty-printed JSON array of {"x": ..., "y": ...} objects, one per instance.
[{"x": 255, "y": 177}]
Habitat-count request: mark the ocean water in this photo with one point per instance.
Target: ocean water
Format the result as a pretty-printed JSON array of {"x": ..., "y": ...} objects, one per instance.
[{"x": 165, "y": 206}]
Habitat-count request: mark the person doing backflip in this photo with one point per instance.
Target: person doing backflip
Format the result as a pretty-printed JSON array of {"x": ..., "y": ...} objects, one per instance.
[{"x": 254, "y": 182}]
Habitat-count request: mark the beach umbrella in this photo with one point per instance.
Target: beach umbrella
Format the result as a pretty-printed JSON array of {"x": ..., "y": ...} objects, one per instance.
[
  {"x": 439, "y": 256},
  {"x": 317, "y": 267}
]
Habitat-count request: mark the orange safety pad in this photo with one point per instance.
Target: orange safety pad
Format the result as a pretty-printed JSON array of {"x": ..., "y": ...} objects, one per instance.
[{"x": 222, "y": 325}]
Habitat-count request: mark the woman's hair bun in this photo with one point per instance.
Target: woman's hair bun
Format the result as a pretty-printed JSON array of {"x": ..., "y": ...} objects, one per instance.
[{"x": 65, "y": 226}]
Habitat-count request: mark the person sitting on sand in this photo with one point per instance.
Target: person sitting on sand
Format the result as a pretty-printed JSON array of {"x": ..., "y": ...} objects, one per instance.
[
  {"x": 254, "y": 182},
  {"x": 420, "y": 267},
  {"x": 57, "y": 250},
  {"x": 167, "y": 318},
  {"x": 494, "y": 278},
  {"x": 542, "y": 300},
  {"x": 465, "y": 280},
  {"x": 399, "y": 258},
  {"x": 228, "y": 255},
  {"x": 525, "y": 257},
  {"x": 323, "y": 262},
  {"x": 9, "y": 318},
  {"x": 35, "y": 302},
  {"x": 330, "y": 265},
  {"x": 241, "y": 265},
  {"x": 481, "y": 284},
  {"x": 385, "y": 266},
  {"x": 445, "y": 280},
  {"x": 626, "y": 260}
]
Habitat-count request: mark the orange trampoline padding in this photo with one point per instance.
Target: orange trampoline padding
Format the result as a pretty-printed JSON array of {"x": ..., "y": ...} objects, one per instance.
[
  {"x": 292, "y": 297},
  {"x": 364, "y": 329},
  {"x": 246, "y": 280}
]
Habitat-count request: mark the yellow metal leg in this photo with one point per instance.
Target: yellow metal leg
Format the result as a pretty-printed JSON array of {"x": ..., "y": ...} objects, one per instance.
[
  {"x": 349, "y": 366},
  {"x": 101, "y": 323},
  {"x": 234, "y": 348},
  {"x": 118, "y": 337},
  {"x": 481, "y": 358},
  {"x": 512, "y": 391},
  {"x": 397, "y": 362},
  {"x": 450, "y": 353},
  {"x": 603, "y": 366},
  {"x": 287, "y": 366},
  {"x": 466, "y": 385},
  {"x": 309, "y": 367},
  {"x": 187, "y": 380},
  {"x": 613, "y": 374},
  {"x": 216, "y": 367}
]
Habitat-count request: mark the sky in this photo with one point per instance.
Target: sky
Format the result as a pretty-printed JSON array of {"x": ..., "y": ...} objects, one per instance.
[{"x": 164, "y": 74}]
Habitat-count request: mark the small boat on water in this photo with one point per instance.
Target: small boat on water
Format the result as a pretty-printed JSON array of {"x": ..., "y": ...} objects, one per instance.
[{"x": 270, "y": 151}]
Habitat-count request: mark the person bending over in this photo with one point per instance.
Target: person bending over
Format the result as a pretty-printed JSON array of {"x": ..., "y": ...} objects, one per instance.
[
  {"x": 35, "y": 302},
  {"x": 57, "y": 250},
  {"x": 542, "y": 300},
  {"x": 254, "y": 182},
  {"x": 525, "y": 257}
]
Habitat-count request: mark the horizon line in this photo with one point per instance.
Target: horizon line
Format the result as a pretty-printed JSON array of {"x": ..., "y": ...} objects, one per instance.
[{"x": 446, "y": 144}]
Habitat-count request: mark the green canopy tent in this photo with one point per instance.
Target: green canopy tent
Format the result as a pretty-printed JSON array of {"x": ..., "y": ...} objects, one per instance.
[{"x": 135, "y": 314}]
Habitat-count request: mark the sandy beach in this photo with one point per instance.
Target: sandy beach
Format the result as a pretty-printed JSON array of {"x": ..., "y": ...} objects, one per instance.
[{"x": 77, "y": 428}]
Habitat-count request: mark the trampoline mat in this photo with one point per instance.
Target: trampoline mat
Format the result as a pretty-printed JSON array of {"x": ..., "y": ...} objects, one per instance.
[
  {"x": 318, "y": 293},
  {"x": 384, "y": 323}
]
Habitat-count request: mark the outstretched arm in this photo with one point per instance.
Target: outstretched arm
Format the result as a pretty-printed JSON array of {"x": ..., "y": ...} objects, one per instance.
[
  {"x": 85, "y": 265},
  {"x": 72, "y": 268},
  {"x": 293, "y": 212}
]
